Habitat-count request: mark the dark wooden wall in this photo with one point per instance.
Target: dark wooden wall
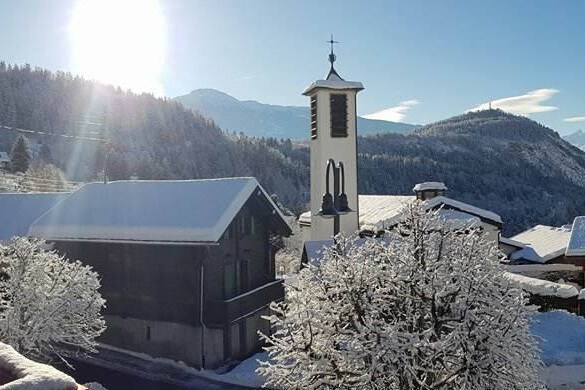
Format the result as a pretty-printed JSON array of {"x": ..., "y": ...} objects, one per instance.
[
  {"x": 151, "y": 282},
  {"x": 244, "y": 256}
]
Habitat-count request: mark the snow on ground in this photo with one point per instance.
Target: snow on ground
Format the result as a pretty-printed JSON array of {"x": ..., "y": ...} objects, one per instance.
[
  {"x": 566, "y": 377},
  {"x": 563, "y": 337},
  {"x": 243, "y": 374},
  {"x": 543, "y": 287},
  {"x": 562, "y": 343},
  {"x": 29, "y": 374}
]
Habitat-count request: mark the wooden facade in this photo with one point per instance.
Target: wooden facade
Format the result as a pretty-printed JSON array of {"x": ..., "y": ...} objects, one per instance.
[{"x": 199, "y": 303}]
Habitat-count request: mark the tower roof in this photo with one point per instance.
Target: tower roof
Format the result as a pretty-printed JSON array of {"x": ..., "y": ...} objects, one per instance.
[{"x": 333, "y": 79}]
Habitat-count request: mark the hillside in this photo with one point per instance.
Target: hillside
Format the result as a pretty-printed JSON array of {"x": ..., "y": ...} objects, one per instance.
[
  {"x": 149, "y": 138},
  {"x": 505, "y": 163},
  {"x": 266, "y": 120}
]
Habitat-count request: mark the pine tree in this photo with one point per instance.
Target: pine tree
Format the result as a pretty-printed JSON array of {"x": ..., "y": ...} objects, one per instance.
[{"x": 20, "y": 155}]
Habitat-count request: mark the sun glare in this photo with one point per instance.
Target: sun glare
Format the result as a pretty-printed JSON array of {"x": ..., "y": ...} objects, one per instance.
[{"x": 119, "y": 42}]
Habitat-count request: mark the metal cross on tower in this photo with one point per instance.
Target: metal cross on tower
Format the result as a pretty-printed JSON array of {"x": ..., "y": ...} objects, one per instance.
[{"x": 332, "y": 55}]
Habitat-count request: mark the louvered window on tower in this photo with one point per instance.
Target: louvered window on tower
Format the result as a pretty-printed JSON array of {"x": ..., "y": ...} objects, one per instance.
[
  {"x": 338, "y": 104},
  {"x": 313, "y": 117}
]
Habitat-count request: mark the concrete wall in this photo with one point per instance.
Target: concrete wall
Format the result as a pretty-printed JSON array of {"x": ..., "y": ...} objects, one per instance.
[{"x": 155, "y": 338}]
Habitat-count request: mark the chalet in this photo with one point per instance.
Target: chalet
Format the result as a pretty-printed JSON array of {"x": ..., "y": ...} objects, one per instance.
[
  {"x": 187, "y": 268},
  {"x": 19, "y": 210}
]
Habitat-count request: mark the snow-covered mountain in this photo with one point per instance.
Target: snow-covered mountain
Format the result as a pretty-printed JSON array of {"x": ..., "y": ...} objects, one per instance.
[
  {"x": 267, "y": 120},
  {"x": 577, "y": 138}
]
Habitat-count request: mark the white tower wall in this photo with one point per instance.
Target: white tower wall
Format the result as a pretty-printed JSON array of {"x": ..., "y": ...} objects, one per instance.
[
  {"x": 339, "y": 148},
  {"x": 343, "y": 149}
]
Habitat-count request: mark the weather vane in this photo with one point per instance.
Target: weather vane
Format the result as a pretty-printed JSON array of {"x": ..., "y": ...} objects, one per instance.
[{"x": 332, "y": 55}]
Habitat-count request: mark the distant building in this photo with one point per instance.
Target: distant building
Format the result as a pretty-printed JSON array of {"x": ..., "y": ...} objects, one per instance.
[
  {"x": 540, "y": 244},
  {"x": 4, "y": 161},
  {"x": 187, "y": 268}
]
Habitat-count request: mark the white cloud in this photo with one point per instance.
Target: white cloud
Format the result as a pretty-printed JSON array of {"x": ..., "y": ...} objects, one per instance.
[
  {"x": 393, "y": 114},
  {"x": 529, "y": 103},
  {"x": 575, "y": 119}
]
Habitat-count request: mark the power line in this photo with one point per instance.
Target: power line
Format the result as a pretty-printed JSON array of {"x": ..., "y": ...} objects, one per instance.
[{"x": 74, "y": 137}]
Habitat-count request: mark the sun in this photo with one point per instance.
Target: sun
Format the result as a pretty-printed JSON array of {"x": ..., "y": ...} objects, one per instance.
[{"x": 119, "y": 42}]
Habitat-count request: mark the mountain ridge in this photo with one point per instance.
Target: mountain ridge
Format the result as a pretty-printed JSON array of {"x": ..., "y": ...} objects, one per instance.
[{"x": 258, "y": 119}]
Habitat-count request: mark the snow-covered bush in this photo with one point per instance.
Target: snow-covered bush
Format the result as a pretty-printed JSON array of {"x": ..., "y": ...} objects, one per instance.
[
  {"x": 429, "y": 308},
  {"x": 48, "y": 305}
]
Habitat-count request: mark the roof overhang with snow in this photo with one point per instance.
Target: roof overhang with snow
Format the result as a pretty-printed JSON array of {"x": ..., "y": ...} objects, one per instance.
[
  {"x": 334, "y": 84},
  {"x": 175, "y": 212},
  {"x": 542, "y": 243}
]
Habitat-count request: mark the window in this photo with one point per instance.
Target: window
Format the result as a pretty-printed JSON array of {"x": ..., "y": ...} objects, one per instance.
[
  {"x": 313, "y": 117},
  {"x": 338, "y": 103}
]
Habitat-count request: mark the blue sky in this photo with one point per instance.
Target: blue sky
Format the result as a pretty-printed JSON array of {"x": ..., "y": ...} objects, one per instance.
[{"x": 420, "y": 61}]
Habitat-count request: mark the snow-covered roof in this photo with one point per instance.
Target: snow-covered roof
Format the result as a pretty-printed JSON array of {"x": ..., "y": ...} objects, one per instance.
[
  {"x": 430, "y": 185},
  {"x": 187, "y": 211},
  {"x": 465, "y": 207},
  {"x": 543, "y": 287},
  {"x": 455, "y": 219},
  {"x": 334, "y": 83},
  {"x": 576, "y": 245},
  {"x": 4, "y": 157},
  {"x": 514, "y": 243},
  {"x": 314, "y": 249},
  {"x": 378, "y": 212},
  {"x": 305, "y": 218},
  {"x": 543, "y": 243},
  {"x": 19, "y": 211}
]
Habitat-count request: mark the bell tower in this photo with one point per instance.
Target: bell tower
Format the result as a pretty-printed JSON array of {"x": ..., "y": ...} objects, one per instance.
[{"x": 333, "y": 127}]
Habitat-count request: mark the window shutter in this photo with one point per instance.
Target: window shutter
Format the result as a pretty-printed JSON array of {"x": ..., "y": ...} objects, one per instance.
[{"x": 338, "y": 104}]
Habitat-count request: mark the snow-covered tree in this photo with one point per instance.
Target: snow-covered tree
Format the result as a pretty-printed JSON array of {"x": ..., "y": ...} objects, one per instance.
[
  {"x": 49, "y": 306},
  {"x": 428, "y": 308}
]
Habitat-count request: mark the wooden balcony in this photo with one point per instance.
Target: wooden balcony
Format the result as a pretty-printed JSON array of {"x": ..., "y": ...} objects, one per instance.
[{"x": 223, "y": 312}]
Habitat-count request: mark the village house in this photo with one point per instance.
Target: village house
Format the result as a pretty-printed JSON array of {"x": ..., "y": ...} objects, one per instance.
[{"x": 187, "y": 268}]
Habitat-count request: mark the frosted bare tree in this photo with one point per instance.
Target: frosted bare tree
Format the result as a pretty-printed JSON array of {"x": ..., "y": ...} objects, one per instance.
[
  {"x": 429, "y": 308},
  {"x": 49, "y": 306}
]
